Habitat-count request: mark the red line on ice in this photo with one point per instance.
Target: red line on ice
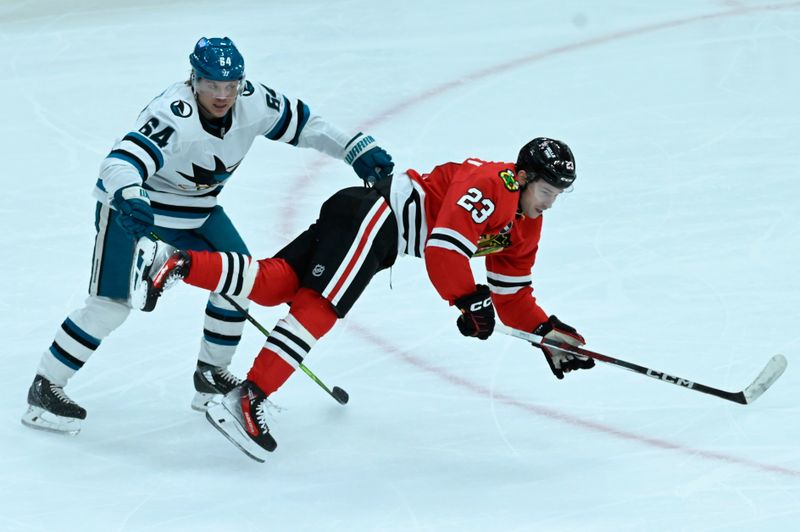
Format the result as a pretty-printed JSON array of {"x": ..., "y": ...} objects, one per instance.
[
  {"x": 556, "y": 415},
  {"x": 288, "y": 216}
]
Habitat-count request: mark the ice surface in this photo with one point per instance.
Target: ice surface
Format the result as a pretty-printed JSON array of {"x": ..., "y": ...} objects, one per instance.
[{"x": 678, "y": 250}]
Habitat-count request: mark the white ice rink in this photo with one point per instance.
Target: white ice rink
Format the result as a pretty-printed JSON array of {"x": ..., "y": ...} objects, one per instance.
[{"x": 678, "y": 249}]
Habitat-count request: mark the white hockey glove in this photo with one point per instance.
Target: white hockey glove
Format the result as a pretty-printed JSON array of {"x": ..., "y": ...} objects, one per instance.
[{"x": 560, "y": 361}]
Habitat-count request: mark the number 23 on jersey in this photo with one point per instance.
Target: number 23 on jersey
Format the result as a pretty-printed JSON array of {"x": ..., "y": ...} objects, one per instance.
[{"x": 480, "y": 208}]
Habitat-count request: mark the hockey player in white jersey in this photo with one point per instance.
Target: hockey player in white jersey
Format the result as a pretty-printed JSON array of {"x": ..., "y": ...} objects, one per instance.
[{"x": 164, "y": 178}]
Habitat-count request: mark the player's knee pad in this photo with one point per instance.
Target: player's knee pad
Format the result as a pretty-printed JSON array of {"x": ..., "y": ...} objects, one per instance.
[
  {"x": 101, "y": 315},
  {"x": 313, "y": 311}
]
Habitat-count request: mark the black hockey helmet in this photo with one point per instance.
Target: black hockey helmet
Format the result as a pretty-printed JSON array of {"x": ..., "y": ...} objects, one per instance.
[{"x": 547, "y": 159}]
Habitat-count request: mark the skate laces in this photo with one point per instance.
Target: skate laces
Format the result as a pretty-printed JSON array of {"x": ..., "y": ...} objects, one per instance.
[
  {"x": 58, "y": 391},
  {"x": 266, "y": 411},
  {"x": 226, "y": 376}
]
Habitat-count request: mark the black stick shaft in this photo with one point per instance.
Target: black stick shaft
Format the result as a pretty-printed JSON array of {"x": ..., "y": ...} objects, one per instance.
[{"x": 765, "y": 379}]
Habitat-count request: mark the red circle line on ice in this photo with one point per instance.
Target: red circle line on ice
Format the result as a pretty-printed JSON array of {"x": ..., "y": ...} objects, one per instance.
[{"x": 288, "y": 215}]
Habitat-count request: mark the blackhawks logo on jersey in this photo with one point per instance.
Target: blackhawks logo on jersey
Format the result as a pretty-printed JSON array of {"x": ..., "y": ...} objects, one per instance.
[
  {"x": 509, "y": 180},
  {"x": 488, "y": 244}
]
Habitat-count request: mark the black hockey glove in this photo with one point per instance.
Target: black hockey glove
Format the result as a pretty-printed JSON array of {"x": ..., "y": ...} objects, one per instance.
[
  {"x": 477, "y": 313},
  {"x": 370, "y": 161},
  {"x": 560, "y": 361},
  {"x": 135, "y": 214}
]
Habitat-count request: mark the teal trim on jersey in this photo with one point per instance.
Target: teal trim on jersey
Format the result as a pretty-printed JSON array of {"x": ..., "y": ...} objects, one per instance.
[
  {"x": 150, "y": 148},
  {"x": 100, "y": 185},
  {"x": 131, "y": 161},
  {"x": 280, "y": 127},
  {"x": 302, "y": 117},
  {"x": 177, "y": 213}
]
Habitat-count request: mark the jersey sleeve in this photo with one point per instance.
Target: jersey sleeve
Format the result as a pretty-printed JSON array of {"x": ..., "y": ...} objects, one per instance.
[
  {"x": 291, "y": 121},
  {"x": 509, "y": 277},
  {"x": 140, "y": 153},
  {"x": 473, "y": 202}
]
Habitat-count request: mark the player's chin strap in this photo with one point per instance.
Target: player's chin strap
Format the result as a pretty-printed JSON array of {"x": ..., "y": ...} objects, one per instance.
[
  {"x": 341, "y": 396},
  {"x": 771, "y": 372}
]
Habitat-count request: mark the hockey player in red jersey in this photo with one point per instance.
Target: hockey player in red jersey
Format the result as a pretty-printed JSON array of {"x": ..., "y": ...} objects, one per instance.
[{"x": 453, "y": 213}]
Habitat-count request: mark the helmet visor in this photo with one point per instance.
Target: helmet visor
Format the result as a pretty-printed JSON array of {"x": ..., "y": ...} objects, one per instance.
[{"x": 218, "y": 89}]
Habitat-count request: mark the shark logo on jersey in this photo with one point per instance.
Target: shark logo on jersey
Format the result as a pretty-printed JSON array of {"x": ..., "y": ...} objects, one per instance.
[
  {"x": 181, "y": 109},
  {"x": 204, "y": 178}
]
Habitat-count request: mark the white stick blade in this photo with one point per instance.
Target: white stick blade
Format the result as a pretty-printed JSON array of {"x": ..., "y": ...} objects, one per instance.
[{"x": 771, "y": 372}]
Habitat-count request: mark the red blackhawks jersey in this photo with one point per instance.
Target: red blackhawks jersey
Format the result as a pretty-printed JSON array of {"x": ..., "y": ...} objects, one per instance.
[{"x": 463, "y": 210}]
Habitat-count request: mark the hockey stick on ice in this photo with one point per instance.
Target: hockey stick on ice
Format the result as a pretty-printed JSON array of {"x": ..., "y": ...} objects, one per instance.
[
  {"x": 337, "y": 393},
  {"x": 774, "y": 369}
]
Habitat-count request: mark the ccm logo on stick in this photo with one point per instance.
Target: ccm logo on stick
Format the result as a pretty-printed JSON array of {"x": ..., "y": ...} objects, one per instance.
[{"x": 669, "y": 378}]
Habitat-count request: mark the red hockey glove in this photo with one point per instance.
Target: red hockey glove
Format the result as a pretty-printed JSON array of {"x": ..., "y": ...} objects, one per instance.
[
  {"x": 560, "y": 361},
  {"x": 477, "y": 313}
]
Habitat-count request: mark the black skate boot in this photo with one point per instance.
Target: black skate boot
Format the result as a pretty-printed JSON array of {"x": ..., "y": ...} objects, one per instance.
[
  {"x": 211, "y": 383},
  {"x": 242, "y": 418},
  {"x": 49, "y": 408},
  {"x": 158, "y": 266}
]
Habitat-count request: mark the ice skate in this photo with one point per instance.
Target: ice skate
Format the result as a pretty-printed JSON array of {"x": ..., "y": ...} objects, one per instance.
[
  {"x": 211, "y": 383},
  {"x": 49, "y": 408},
  {"x": 157, "y": 267},
  {"x": 242, "y": 418}
]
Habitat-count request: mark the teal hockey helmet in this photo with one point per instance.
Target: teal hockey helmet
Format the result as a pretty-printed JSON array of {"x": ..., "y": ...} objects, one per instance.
[{"x": 217, "y": 59}]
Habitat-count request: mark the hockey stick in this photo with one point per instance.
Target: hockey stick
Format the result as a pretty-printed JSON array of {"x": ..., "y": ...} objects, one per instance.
[
  {"x": 337, "y": 393},
  {"x": 774, "y": 369}
]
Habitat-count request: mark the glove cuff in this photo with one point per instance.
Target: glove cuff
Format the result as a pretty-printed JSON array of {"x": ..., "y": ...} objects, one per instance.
[
  {"x": 358, "y": 146},
  {"x": 553, "y": 323},
  {"x": 132, "y": 192},
  {"x": 554, "y": 328}
]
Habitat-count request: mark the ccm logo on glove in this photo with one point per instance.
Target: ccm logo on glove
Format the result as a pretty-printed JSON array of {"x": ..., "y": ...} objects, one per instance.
[
  {"x": 477, "y": 313},
  {"x": 475, "y": 307}
]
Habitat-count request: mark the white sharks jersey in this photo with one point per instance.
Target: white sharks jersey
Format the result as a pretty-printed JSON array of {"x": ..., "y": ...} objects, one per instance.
[{"x": 184, "y": 164}]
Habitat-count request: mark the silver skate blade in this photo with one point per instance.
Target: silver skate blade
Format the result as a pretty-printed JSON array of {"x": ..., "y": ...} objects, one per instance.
[
  {"x": 225, "y": 422},
  {"x": 203, "y": 401},
  {"x": 40, "y": 419}
]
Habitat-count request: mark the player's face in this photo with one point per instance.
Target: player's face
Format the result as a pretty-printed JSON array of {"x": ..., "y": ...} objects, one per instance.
[
  {"x": 537, "y": 198},
  {"x": 216, "y": 97}
]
